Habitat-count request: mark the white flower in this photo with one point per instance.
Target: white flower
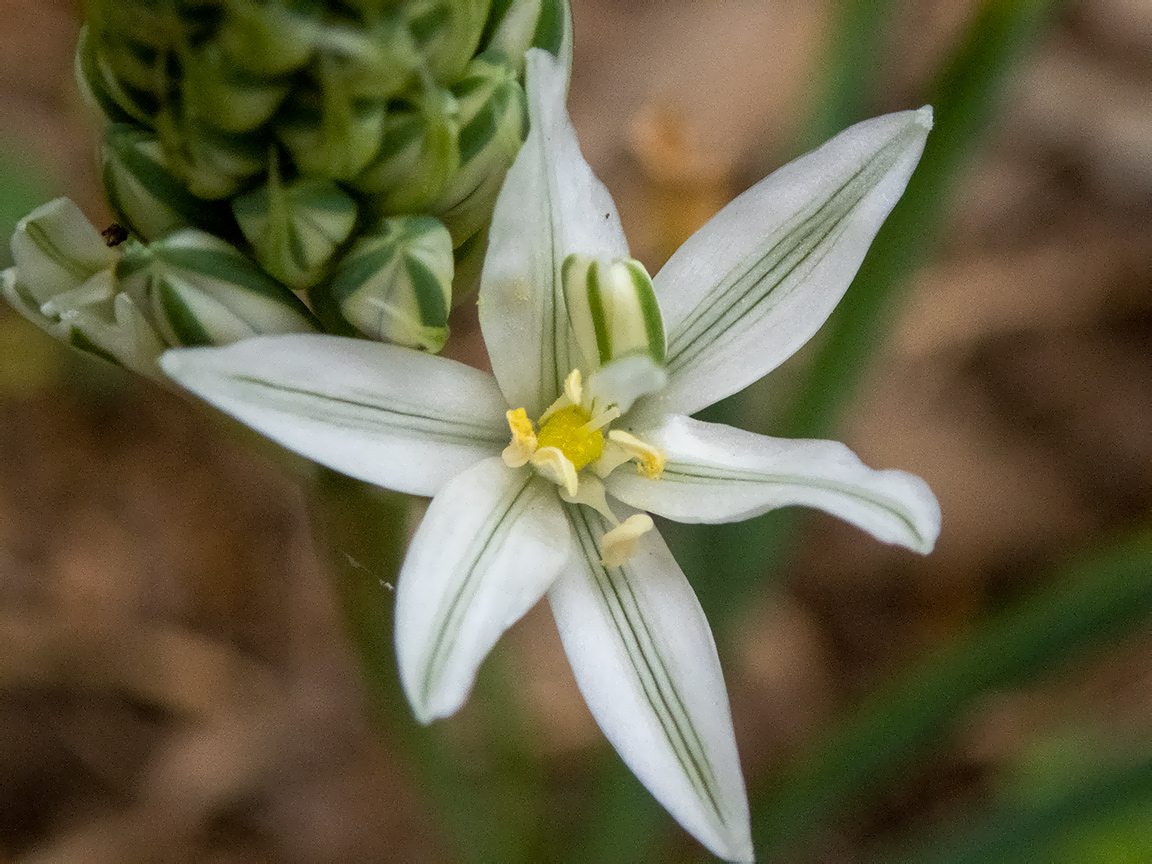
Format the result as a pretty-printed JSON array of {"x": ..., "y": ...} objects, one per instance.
[{"x": 579, "y": 405}]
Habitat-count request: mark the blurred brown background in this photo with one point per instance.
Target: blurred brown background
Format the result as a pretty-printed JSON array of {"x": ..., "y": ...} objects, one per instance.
[{"x": 173, "y": 684}]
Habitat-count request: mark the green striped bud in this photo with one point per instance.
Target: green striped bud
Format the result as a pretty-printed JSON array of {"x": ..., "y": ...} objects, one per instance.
[
  {"x": 330, "y": 133},
  {"x": 612, "y": 308},
  {"x": 493, "y": 122},
  {"x": 396, "y": 284},
  {"x": 447, "y": 33},
  {"x": 374, "y": 62},
  {"x": 146, "y": 197},
  {"x": 55, "y": 249},
  {"x": 270, "y": 39},
  {"x": 514, "y": 26},
  {"x": 418, "y": 155},
  {"x": 109, "y": 98},
  {"x": 63, "y": 282},
  {"x": 199, "y": 290},
  {"x": 226, "y": 97},
  {"x": 295, "y": 228},
  {"x": 211, "y": 163}
]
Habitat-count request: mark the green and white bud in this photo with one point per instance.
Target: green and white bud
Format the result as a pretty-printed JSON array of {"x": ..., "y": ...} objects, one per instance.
[
  {"x": 55, "y": 250},
  {"x": 63, "y": 282},
  {"x": 447, "y": 32},
  {"x": 514, "y": 26},
  {"x": 329, "y": 132},
  {"x": 419, "y": 153},
  {"x": 295, "y": 228},
  {"x": 613, "y": 309},
  {"x": 226, "y": 97},
  {"x": 375, "y": 62},
  {"x": 211, "y": 163},
  {"x": 147, "y": 198},
  {"x": 493, "y": 122},
  {"x": 199, "y": 290},
  {"x": 107, "y": 97},
  {"x": 396, "y": 284},
  {"x": 270, "y": 39}
]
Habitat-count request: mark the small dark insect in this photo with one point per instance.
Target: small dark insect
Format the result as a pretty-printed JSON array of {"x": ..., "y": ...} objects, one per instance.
[
  {"x": 607, "y": 215},
  {"x": 114, "y": 234}
]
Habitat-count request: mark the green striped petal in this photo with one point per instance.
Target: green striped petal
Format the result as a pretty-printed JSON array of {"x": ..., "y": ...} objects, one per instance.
[
  {"x": 493, "y": 121},
  {"x": 715, "y": 473},
  {"x": 760, "y": 278},
  {"x": 644, "y": 659},
  {"x": 295, "y": 228},
  {"x": 380, "y": 413},
  {"x": 396, "y": 284},
  {"x": 551, "y": 206},
  {"x": 145, "y": 195},
  {"x": 447, "y": 33},
  {"x": 201, "y": 291},
  {"x": 55, "y": 249},
  {"x": 418, "y": 154},
  {"x": 377, "y": 61},
  {"x": 612, "y": 308},
  {"x": 490, "y": 545}
]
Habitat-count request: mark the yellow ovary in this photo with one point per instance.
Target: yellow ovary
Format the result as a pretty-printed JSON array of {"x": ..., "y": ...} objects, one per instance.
[{"x": 568, "y": 431}]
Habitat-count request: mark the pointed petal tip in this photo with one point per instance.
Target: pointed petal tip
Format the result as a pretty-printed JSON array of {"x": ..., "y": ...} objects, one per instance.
[{"x": 925, "y": 117}]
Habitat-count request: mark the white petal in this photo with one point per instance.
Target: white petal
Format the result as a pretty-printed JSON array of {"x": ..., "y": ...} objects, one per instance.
[
  {"x": 551, "y": 205},
  {"x": 715, "y": 473},
  {"x": 644, "y": 658},
  {"x": 762, "y": 276},
  {"x": 383, "y": 414},
  {"x": 490, "y": 545}
]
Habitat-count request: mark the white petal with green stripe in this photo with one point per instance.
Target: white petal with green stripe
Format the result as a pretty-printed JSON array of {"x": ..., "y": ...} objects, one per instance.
[
  {"x": 295, "y": 228},
  {"x": 645, "y": 661},
  {"x": 396, "y": 283},
  {"x": 386, "y": 415},
  {"x": 447, "y": 33},
  {"x": 715, "y": 473},
  {"x": 145, "y": 195},
  {"x": 550, "y": 207},
  {"x": 612, "y": 308},
  {"x": 201, "y": 291},
  {"x": 489, "y": 547},
  {"x": 516, "y": 25},
  {"x": 755, "y": 283},
  {"x": 56, "y": 249}
]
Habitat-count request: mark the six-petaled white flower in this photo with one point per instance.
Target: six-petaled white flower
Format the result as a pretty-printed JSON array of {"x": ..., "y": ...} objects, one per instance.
[{"x": 544, "y": 472}]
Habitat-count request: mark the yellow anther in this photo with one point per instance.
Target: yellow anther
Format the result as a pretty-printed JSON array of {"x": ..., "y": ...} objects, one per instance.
[
  {"x": 554, "y": 465},
  {"x": 573, "y": 388},
  {"x": 524, "y": 443},
  {"x": 623, "y": 541},
  {"x": 649, "y": 460},
  {"x": 569, "y": 431}
]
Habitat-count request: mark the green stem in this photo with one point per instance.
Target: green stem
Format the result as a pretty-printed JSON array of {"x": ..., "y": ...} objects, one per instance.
[{"x": 1089, "y": 604}]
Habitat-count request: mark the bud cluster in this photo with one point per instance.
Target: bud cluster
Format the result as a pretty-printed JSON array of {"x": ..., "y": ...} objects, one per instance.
[{"x": 349, "y": 151}]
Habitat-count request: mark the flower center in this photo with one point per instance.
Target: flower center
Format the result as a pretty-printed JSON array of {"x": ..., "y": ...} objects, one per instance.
[{"x": 570, "y": 430}]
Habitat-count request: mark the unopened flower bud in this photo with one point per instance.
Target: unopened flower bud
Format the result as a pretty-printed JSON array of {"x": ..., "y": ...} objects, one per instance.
[
  {"x": 225, "y": 97},
  {"x": 270, "y": 38},
  {"x": 211, "y": 163},
  {"x": 295, "y": 228},
  {"x": 396, "y": 284},
  {"x": 146, "y": 197},
  {"x": 493, "y": 123},
  {"x": 201, "y": 291},
  {"x": 524, "y": 24},
  {"x": 55, "y": 249},
  {"x": 419, "y": 153},
  {"x": 104, "y": 93},
  {"x": 612, "y": 308},
  {"x": 447, "y": 33}
]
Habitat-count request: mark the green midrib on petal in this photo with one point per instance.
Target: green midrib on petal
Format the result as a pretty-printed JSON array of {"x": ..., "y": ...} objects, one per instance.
[
  {"x": 488, "y": 540},
  {"x": 61, "y": 259},
  {"x": 395, "y": 417},
  {"x": 656, "y": 682},
  {"x": 696, "y": 473},
  {"x": 796, "y": 247}
]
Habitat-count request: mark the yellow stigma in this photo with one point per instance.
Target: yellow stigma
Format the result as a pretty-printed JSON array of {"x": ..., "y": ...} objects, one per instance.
[{"x": 570, "y": 431}]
